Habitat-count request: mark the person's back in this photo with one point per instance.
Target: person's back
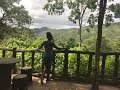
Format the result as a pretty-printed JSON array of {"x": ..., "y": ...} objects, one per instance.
[
  {"x": 48, "y": 46},
  {"x": 48, "y": 54}
]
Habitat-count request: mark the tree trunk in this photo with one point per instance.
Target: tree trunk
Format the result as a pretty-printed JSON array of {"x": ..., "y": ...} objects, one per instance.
[
  {"x": 79, "y": 31},
  {"x": 98, "y": 42},
  {"x": 80, "y": 23}
]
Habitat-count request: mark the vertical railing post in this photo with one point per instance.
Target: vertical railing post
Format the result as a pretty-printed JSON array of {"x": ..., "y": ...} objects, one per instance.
[
  {"x": 14, "y": 56},
  {"x": 14, "y": 53},
  {"x": 33, "y": 56},
  {"x": 23, "y": 59},
  {"x": 78, "y": 66},
  {"x": 90, "y": 65},
  {"x": 116, "y": 69},
  {"x": 3, "y": 53},
  {"x": 65, "y": 69},
  {"x": 103, "y": 66}
]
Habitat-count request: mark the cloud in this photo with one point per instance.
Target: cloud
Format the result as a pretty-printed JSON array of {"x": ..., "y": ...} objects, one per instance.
[{"x": 41, "y": 17}]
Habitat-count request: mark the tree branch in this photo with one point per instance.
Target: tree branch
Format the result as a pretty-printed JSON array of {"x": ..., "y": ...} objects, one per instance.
[
  {"x": 2, "y": 18},
  {"x": 83, "y": 11}
]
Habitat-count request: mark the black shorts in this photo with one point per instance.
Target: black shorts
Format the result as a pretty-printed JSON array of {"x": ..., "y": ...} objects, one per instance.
[{"x": 47, "y": 59}]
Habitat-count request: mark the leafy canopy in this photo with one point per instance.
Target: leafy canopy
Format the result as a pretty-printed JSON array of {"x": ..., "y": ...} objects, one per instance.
[
  {"x": 77, "y": 10},
  {"x": 13, "y": 14},
  {"x": 77, "y": 7}
]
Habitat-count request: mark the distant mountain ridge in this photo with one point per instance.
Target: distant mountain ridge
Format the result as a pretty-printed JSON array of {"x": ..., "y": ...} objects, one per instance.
[
  {"x": 46, "y": 29},
  {"x": 112, "y": 32},
  {"x": 38, "y": 30}
]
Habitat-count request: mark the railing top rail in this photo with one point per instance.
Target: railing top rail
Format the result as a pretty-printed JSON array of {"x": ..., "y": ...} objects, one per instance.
[
  {"x": 62, "y": 51},
  {"x": 9, "y": 49}
]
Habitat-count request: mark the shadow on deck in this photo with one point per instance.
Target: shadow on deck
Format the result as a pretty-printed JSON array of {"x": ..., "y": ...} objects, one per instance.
[{"x": 60, "y": 85}]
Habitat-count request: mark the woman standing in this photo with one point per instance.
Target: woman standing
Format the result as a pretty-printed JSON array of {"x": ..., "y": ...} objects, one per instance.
[{"x": 48, "y": 54}]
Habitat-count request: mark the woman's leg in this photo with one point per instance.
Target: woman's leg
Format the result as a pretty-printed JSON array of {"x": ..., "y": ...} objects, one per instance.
[{"x": 48, "y": 70}]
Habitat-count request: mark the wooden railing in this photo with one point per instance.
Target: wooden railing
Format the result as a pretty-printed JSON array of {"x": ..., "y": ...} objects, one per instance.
[{"x": 116, "y": 66}]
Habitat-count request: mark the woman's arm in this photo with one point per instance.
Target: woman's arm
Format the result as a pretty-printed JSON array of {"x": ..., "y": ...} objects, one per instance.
[
  {"x": 58, "y": 47},
  {"x": 41, "y": 46}
]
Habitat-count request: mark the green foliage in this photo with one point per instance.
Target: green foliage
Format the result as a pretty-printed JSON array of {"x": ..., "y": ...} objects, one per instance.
[
  {"x": 92, "y": 20},
  {"x": 63, "y": 37},
  {"x": 92, "y": 4},
  {"x": 13, "y": 14},
  {"x": 16, "y": 37},
  {"x": 54, "y": 7},
  {"x": 109, "y": 19},
  {"x": 59, "y": 59},
  {"x": 110, "y": 66},
  {"x": 115, "y": 8},
  {"x": 72, "y": 64},
  {"x": 77, "y": 8},
  {"x": 105, "y": 45},
  {"x": 24, "y": 39},
  {"x": 71, "y": 43}
]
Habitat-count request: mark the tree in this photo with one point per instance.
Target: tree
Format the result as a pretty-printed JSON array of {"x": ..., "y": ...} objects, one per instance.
[
  {"x": 102, "y": 8},
  {"x": 112, "y": 12},
  {"x": 13, "y": 14},
  {"x": 77, "y": 7}
]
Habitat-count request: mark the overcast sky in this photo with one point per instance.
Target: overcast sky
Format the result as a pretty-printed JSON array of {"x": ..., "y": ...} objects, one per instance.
[{"x": 42, "y": 19}]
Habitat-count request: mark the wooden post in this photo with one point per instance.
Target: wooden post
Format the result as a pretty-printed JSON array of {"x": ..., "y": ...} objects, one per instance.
[
  {"x": 33, "y": 55},
  {"x": 14, "y": 53},
  {"x": 23, "y": 59},
  {"x": 78, "y": 66},
  {"x": 3, "y": 53},
  {"x": 116, "y": 69},
  {"x": 90, "y": 65},
  {"x": 65, "y": 69},
  {"x": 103, "y": 66},
  {"x": 14, "y": 56}
]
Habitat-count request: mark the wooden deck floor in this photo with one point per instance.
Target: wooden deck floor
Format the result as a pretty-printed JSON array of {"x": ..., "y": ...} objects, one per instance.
[{"x": 59, "y": 85}]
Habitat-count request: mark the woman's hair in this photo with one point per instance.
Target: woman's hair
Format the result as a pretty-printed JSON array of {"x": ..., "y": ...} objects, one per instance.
[{"x": 49, "y": 37}]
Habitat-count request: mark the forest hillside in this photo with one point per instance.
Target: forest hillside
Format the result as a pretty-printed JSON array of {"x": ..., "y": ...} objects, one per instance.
[{"x": 111, "y": 38}]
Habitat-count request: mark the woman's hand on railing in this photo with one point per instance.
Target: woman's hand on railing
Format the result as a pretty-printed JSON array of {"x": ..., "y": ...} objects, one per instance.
[
  {"x": 40, "y": 50},
  {"x": 36, "y": 49},
  {"x": 66, "y": 49}
]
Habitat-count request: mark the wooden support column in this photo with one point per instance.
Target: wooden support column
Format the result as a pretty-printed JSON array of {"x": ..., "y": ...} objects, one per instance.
[
  {"x": 3, "y": 53},
  {"x": 14, "y": 56},
  {"x": 33, "y": 56},
  {"x": 65, "y": 69},
  {"x": 23, "y": 59},
  {"x": 103, "y": 67},
  {"x": 78, "y": 66},
  {"x": 90, "y": 65},
  {"x": 116, "y": 69}
]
